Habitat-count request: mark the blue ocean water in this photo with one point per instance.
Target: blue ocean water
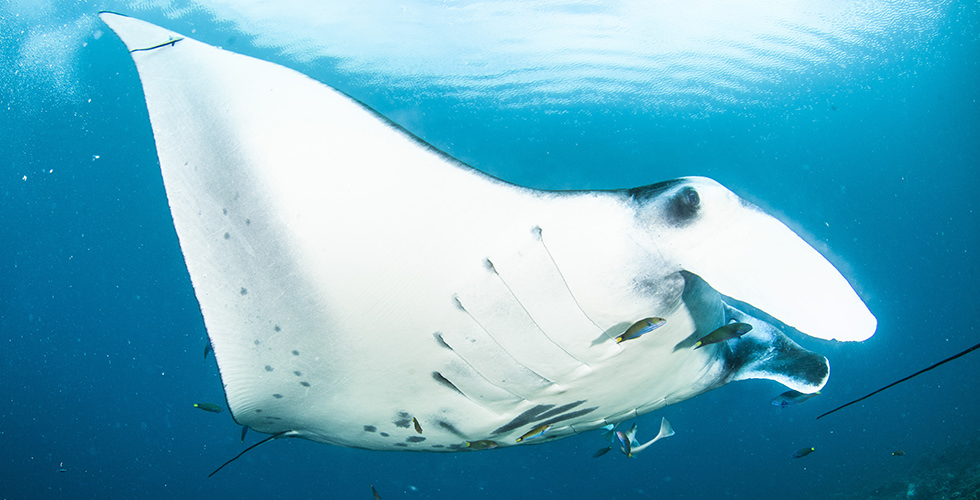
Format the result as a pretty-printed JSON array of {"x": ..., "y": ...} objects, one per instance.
[{"x": 858, "y": 126}]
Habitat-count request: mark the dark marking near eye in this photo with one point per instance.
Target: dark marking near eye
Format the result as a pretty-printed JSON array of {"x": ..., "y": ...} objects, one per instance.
[
  {"x": 370, "y": 428},
  {"x": 244, "y": 291},
  {"x": 559, "y": 410},
  {"x": 445, "y": 382},
  {"x": 269, "y": 368},
  {"x": 304, "y": 383},
  {"x": 227, "y": 236},
  {"x": 441, "y": 341},
  {"x": 567, "y": 416},
  {"x": 276, "y": 328},
  {"x": 403, "y": 445},
  {"x": 297, "y": 373},
  {"x": 404, "y": 423},
  {"x": 415, "y": 439},
  {"x": 295, "y": 353},
  {"x": 523, "y": 419},
  {"x": 685, "y": 205},
  {"x": 277, "y": 396},
  {"x": 384, "y": 434},
  {"x": 645, "y": 193},
  {"x": 451, "y": 428}
]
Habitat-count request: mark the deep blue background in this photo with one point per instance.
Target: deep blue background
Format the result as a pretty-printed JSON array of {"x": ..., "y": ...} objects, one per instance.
[{"x": 101, "y": 338}]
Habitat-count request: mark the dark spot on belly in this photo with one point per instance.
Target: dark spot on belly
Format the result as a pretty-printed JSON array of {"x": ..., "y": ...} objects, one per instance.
[
  {"x": 295, "y": 352},
  {"x": 248, "y": 222},
  {"x": 370, "y": 428},
  {"x": 224, "y": 211},
  {"x": 403, "y": 423},
  {"x": 257, "y": 342},
  {"x": 244, "y": 291},
  {"x": 273, "y": 418},
  {"x": 297, "y": 373},
  {"x": 437, "y": 446},
  {"x": 258, "y": 410},
  {"x": 384, "y": 434},
  {"x": 404, "y": 414},
  {"x": 227, "y": 236},
  {"x": 269, "y": 368},
  {"x": 277, "y": 396},
  {"x": 304, "y": 383},
  {"x": 415, "y": 439},
  {"x": 403, "y": 445},
  {"x": 276, "y": 328}
]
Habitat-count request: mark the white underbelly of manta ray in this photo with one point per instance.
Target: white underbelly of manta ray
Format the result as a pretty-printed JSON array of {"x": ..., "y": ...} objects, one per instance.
[{"x": 353, "y": 279}]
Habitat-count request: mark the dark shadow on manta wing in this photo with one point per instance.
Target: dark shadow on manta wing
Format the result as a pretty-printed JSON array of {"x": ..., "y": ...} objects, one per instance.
[
  {"x": 694, "y": 284},
  {"x": 705, "y": 306},
  {"x": 611, "y": 333},
  {"x": 764, "y": 316}
]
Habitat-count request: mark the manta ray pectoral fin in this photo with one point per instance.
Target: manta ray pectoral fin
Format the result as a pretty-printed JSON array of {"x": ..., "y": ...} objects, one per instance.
[
  {"x": 765, "y": 353},
  {"x": 756, "y": 259}
]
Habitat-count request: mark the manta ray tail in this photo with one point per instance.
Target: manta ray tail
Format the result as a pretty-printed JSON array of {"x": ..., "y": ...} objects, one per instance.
[{"x": 284, "y": 434}]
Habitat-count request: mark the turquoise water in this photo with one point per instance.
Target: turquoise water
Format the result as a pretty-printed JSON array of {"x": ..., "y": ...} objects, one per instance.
[{"x": 857, "y": 126}]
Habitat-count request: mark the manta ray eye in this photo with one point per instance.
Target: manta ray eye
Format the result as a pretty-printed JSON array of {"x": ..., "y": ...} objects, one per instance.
[
  {"x": 691, "y": 198},
  {"x": 685, "y": 204}
]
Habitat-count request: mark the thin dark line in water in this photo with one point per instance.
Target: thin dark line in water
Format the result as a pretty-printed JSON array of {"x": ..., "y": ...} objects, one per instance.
[{"x": 902, "y": 380}]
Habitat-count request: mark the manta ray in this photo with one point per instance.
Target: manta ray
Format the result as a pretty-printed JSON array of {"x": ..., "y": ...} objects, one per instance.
[{"x": 362, "y": 288}]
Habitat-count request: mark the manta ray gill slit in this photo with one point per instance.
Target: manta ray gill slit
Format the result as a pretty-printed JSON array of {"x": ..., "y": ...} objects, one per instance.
[
  {"x": 462, "y": 307},
  {"x": 442, "y": 380},
  {"x": 493, "y": 270},
  {"x": 539, "y": 235}
]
